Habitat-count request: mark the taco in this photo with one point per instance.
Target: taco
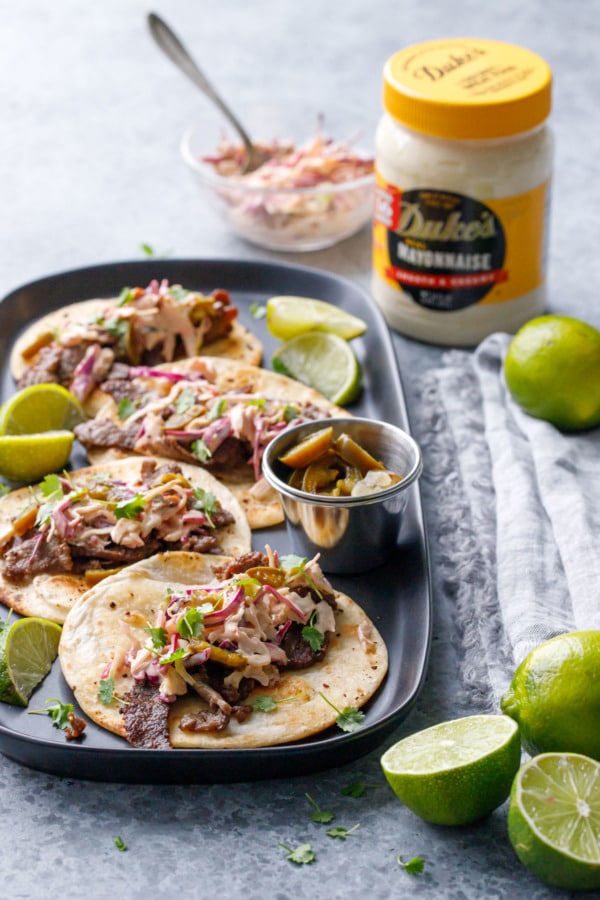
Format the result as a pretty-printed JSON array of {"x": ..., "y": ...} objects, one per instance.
[
  {"x": 208, "y": 412},
  {"x": 59, "y": 538},
  {"x": 184, "y": 650},
  {"x": 78, "y": 345}
]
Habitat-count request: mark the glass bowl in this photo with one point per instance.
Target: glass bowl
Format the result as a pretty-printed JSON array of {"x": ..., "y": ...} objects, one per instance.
[{"x": 285, "y": 218}]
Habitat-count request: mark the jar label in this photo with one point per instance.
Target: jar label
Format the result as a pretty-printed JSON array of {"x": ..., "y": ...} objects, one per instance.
[{"x": 447, "y": 251}]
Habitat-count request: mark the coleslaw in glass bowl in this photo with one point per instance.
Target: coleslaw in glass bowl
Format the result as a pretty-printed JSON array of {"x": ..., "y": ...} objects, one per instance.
[{"x": 313, "y": 191}]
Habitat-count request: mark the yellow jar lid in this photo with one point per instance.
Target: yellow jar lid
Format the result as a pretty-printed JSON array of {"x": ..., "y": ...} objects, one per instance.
[{"x": 467, "y": 89}]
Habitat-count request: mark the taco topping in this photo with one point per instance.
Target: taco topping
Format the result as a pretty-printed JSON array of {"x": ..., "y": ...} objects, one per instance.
[
  {"x": 190, "y": 419},
  {"x": 223, "y": 639},
  {"x": 149, "y": 325},
  {"x": 99, "y": 522}
]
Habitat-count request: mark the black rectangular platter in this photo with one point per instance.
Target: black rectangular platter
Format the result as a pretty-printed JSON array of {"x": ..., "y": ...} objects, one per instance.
[{"x": 397, "y": 596}]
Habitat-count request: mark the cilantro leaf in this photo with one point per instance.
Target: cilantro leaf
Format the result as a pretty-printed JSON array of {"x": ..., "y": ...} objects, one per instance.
[
  {"x": 301, "y": 856},
  {"x": 322, "y": 816},
  {"x": 349, "y": 719},
  {"x": 200, "y": 450},
  {"x": 51, "y": 486},
  {"x": 291, "y": 561},
  {"x": 280, "y": 367},
  {"x": 158, "y": 637},
  {"x": 59, "y": 712},
  {"x": 414, "y": 866},
  {"x": 126, "y": 408},
  {"x": 357, "y": 789},
  {"x": 185, "y": 400},
  {"x": 217, "y": 410},
  {"x": 340, "y": 832},
  {"x": 290, "y": 412},
  {"x": 312, "y": 635},
  {"x": 258, "y": 310},
  {"x": 181, "y": 653},
  {"x": 265, "y": 704},
  {"x": 147, "y": 249},
  {"x": 120, "y": 843},
  {"x": 206, "y": 501},
  {"x": 106, "y": 691},
  {"x": 130, "y": 509},
  {"x": 116, "y": 327},
  {"x": 177, "y": 292},
  {"x": 191, "y": 624},
  {"x": 126, "y": 296}
]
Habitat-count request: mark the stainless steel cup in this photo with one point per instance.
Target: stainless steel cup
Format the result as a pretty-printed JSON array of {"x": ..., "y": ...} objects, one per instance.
[{"x": 352, "y": 534}]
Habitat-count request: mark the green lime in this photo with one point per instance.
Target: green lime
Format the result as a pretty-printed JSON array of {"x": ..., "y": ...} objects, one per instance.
[
  {"x": 554, "y": 695},
  {"x": 323, "y": 361},
  {"x": 28, "y": 648},
  {"x": 455, "y": 772},
  {"x": 552, "y": 369},
  {"x": 40, "y": 407},
  {"x": 554, "y": 819},
  {"x": 29, "y": 457},
  {"x": 288, "y": 316}
]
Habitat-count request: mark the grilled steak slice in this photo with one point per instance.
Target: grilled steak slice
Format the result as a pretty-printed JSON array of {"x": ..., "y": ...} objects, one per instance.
[{"x": 146, "y": 718}]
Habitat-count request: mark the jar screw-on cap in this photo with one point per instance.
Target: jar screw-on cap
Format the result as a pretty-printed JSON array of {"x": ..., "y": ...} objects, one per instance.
[{"x": 467, "y": 89}]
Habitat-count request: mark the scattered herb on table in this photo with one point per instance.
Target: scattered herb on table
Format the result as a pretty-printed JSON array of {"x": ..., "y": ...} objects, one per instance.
[
  {"x": 349, "y": 718},
  {"x": 322, "y": 816},
  {"x": 340, "y": 832},
  {"x": 258, "y": 310},
  {"x": 414, "y": 866},
  {"x": 63, "y": 716},
  {"x": 357, "y": 789},
  {"x": 120, "y": 843},
  {"x": 301, "y": 856}
]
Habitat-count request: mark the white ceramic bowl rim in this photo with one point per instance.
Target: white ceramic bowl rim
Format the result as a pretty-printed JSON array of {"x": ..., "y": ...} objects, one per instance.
[{"x": 205, "y": 171}]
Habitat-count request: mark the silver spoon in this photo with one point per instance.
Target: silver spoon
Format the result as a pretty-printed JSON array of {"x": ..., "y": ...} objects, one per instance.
[{"x": 170, "y": 44}]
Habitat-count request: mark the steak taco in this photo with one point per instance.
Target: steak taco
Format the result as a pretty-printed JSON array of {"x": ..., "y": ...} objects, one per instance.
[
  {"x": 78, "y": 345},
  {"x": 59, "y": 538},
  {"x": 208, "y": 412},
  {"x": 184, "y": 650}
]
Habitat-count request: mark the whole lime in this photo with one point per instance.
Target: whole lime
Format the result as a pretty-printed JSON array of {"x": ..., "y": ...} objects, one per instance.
[
  {"x": 554, "y": 695},
  {"x": 552, "y": 369}
]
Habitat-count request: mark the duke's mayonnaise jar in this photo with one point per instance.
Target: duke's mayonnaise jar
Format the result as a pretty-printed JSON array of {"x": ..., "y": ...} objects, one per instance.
[{"x": 463, "y": 168}]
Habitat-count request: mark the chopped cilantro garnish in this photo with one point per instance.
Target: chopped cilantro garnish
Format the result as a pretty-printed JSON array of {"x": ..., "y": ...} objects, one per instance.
[
  {"x": 206, "y": 501},
  {"x": 126, "y": 408},
  {"x": 290, "y": 412},
  {"x": 357, "y": 790},
  {"x": 266, "y": 704},
  {"x": 280, "y": 367},
  {"x": 126, "y": 296},
  {"x": 147, "y": 249},
  {"x": 120, "y": 843},
  {"x": 312, "y": 635},
  {"x": 340, "y": 832},
  {"x": 217, "y": 410},
  {"x": 191, "y": 624},
  {"x": 290, "y": 562},
  {"x": 200, "y": 450},
  {"x": 258, "y": 401},
  {"x": 130, "y": 509},
  {"x": 52, "y": 489},
  {"x": 302, "y": 855},
  {"x": 181, "y": 653},
  {"x": 258, "y": 311},
  {"x": 177, "y": 292},
  {"x": 158, "y": 637},
  {"x": 116, "y": 327},
  {"x": 59, "y": 712},
  {"x": 414, "y": 866},
  {"x": 348, "y": 719},
  {"x": 106, "y": 691},
  {"x": 185, "y": 400},
  {"x": 322, "y": 816}
]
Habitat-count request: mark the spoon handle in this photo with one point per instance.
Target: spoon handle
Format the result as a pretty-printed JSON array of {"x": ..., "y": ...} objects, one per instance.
[{"x": 170, "y": 44}]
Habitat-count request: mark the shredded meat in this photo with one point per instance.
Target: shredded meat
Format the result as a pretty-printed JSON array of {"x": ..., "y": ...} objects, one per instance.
[
  {"x": 213, "y": 718},
  {"x": 146, "y": 718},
  {"x": 49, "y": 555},
  {"x": 241, "y": 564}
]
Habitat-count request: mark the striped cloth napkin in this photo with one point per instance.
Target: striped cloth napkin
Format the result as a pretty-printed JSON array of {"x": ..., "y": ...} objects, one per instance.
[{"x": 517, "y": 539}]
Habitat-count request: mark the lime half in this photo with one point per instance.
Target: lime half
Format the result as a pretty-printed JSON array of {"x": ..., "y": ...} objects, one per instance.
[
  {"x": 323, "y": 361},
  {"x": 455, "y": 772},
  {"x": 40, "y": 407},
  {"x": 554, "y": 819},
  {"x": 28, "y": 648},
  {"x": 29, "y": 457},
  {"x": 288, "y": 316}
]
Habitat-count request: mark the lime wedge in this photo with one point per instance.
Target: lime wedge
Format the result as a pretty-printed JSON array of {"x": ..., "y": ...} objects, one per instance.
[
  {"x": 40, "y": 407},
  {"x": 554, "y": 819},
  {"x": 455, "y": 772},
  {"x": 288, "y": 316},
  {"x": 323, "y": 361},
  {"x": 29, "y": 457},
  {"x": 28, "y": 648}
]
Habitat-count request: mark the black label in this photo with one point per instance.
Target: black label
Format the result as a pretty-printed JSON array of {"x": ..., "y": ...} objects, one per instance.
[{"x": 446, "y": 250}]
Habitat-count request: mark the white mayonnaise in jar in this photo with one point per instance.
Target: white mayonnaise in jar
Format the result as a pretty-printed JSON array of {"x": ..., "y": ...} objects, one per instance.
[{"x": 463, "y": 168}]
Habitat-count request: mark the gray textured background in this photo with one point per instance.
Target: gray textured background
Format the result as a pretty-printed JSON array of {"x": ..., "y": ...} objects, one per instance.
[{"x": 89, "y": 170}]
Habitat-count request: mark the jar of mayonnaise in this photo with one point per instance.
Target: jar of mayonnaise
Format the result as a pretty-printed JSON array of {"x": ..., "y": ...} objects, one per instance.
[{"x": 463, "y": 168}]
